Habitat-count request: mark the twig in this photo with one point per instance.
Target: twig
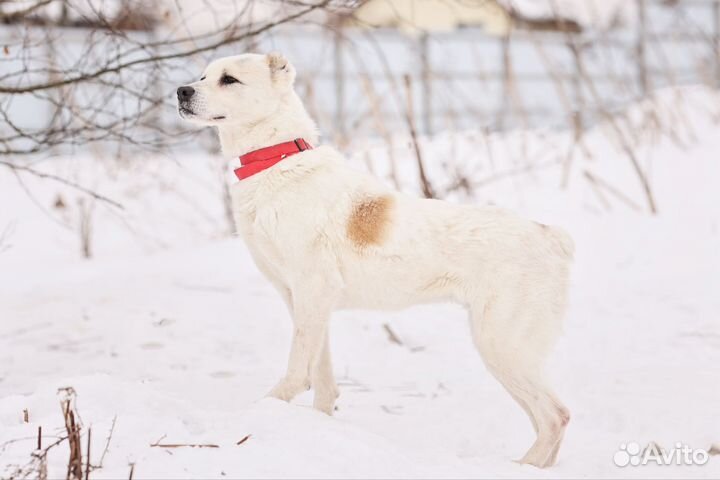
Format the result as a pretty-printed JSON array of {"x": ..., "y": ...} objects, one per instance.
[
  {"x": 11, "y": 17},
  {"x": 158, "y": 58},
  {"x": 391, "y": 335},
  {"x": 85, "y": 213},
  {"x": 613, "y": 124},
  {"x": 424, "y": 182},
  {"x": 243, "y": 440},
  {"x": 107, "y": 442},
  {"x": 132, "y": 471},
  {"x": 380, "y": 126},
  {"x": 87, "y": 453},
  {"x": 5, "y": 236},
  {"x": 180, "y": 445},
  {"x": 64, "y": 181},
  {"x": 37, "y": 466},
  {"x": 599, "y": 193},
  {"x": 74, "y": 469},
  {"x": 593, "y": 179}
]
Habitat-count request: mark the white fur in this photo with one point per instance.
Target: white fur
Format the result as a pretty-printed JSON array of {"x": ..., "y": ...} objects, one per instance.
[{"x": 510, "y": 273}]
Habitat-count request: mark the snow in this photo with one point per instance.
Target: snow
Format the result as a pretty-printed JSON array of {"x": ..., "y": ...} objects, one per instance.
[{"x": 171, "y": 330}]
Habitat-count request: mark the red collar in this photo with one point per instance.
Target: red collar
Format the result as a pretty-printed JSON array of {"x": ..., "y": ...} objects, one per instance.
[{"x": 258, "y": 160}]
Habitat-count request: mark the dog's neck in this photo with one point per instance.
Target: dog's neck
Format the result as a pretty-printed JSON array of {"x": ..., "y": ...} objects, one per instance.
[{"x": 290, "y": 121}]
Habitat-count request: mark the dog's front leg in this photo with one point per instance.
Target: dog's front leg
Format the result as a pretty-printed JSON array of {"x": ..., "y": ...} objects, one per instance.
[
  {"x": 312, "y": 303},
  {"x": 323, "y": 381}
]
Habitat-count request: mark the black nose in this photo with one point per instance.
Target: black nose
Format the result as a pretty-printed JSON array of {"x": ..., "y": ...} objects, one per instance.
[{"x": 184, "y": 93}]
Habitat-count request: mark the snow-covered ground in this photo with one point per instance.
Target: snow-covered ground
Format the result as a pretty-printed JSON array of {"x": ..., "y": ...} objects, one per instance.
[{"x": 171, "y": 330}]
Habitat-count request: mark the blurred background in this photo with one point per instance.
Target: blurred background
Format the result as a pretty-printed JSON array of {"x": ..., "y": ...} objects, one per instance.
[
  {"x": 121, "y": 276},
  {"x": 384, "y": 79}
]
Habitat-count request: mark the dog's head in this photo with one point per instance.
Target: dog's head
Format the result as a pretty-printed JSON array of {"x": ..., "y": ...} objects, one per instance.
[{"x": 241, "y": 90}]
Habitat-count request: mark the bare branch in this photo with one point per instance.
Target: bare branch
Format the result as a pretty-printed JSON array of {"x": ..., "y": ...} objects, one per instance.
[
  {"x": 64, "y": 181},
  {"x": 159, "y": 58}
]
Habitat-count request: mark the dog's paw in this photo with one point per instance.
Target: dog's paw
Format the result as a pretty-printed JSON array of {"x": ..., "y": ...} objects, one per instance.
[
  {"x": 280, "y": 392},
  {"x": 324, "y": 399},
  {"x": 536, "y": 459},
  {"x": 286, "y": 390},
  {"x": 325, "y": 405}
]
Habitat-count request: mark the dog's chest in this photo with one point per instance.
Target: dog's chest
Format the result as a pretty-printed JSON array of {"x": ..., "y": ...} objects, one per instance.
[
  {"x": 277, "y": 226},
  {"x": 258, "y": 224}
]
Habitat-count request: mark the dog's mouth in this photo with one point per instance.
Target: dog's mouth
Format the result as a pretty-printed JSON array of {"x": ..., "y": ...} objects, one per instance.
[{"x": 188, "y": 113}]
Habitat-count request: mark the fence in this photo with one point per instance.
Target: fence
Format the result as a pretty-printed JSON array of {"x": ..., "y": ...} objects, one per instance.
[{"x": 366, "y": 82}]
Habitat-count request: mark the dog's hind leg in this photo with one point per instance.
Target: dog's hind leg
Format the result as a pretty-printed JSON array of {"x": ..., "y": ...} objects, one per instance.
[
  {"x": 511, "y": 347},
  {"x": 548, "y": 415}
]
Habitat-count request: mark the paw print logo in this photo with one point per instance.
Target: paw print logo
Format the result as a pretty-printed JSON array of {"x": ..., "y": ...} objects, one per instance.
[{"x": 628, "y": 454}]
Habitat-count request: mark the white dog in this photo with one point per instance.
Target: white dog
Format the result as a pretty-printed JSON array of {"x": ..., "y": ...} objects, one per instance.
[{"x": 329, "y": 237}]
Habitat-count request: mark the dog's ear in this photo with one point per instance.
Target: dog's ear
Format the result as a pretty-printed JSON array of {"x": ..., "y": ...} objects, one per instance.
[{"x": 280, "y": 69}]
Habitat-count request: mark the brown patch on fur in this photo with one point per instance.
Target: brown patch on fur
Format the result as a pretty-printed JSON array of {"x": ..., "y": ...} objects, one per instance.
[{"x": 369, "y": 221}]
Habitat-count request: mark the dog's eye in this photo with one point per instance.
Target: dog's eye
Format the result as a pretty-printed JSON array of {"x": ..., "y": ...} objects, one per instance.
[
  {"x": 227, "y": 80},
  {"x": 203, "y": 78}
]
